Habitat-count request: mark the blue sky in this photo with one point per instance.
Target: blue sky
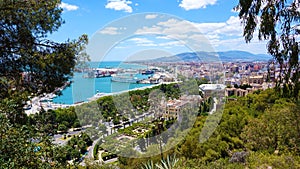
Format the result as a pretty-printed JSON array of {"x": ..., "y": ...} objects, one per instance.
[{"x": 136, "y": 29}]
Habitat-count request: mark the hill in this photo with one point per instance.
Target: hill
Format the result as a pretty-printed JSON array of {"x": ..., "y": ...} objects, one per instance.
[{"x": 228, "y": 56}]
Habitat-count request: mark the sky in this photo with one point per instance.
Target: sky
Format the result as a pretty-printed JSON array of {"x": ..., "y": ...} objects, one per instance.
[{"x": 144, "y": 29}]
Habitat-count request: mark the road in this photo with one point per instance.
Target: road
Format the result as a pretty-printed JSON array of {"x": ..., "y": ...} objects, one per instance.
[
  {"x": 214, "y": 106},
  {"x": 91, "y": 148},
  {"x": 58, "y": 138}
]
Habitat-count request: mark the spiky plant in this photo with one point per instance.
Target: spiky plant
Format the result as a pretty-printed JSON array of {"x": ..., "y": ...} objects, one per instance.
[
  {"x": 148, "y": 165},
  {"x": 168, "y": 163}
]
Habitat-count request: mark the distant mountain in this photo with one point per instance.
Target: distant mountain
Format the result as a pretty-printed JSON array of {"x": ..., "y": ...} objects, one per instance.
[
  {"x": 228, "y": 56},
  {"x": 243, "y": 56}
]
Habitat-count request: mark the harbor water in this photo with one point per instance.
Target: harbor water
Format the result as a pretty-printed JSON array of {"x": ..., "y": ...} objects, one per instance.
[{"x": 83, "y": 88}]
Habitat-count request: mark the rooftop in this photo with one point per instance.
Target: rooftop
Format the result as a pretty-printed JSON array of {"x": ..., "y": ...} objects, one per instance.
[{"x": 204, "y": 87}]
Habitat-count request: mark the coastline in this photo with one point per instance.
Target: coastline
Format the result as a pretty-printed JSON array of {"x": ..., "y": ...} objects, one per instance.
[
  {"x": 85, "y": 90},
  {"x": 121, "y": 92},
  {"x": 36, "y": 104}
]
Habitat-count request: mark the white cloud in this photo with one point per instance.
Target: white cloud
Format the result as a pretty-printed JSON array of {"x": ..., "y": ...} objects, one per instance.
[
  {"x": 256, "y": 46},
  {"x": 150, "y": 16},
  {"x": 68, "y": 7},
  {"x": 119, "y": 5},
  {"x": 225, "y": 35},
  {"x": 150, "y": 43},
  {"x": 149, "y": 30},
  {"x": 178, "y": 32},
  {"x": 196, "y": 4},
  {"x": 141, "y": 40},
  {"x": 177, "y": 27},
  {"x": 172, "y": 43},
  {"x": 110, "y": 31},
  {"x": 232, "y": 27}
]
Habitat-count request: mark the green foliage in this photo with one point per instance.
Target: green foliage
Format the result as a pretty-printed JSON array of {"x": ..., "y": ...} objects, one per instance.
[
  {"x": 107, "y": 107},
  {"x": 90, "y": 164},
  {"x": 205, "y": 106},
  {"x": 217, "y": 164},
  {"x": 170, "y": 90},
  {"x": 29, "y": 61},
  {"x": 128, "y": 105},
  {"x": 276, "y": 129},
  {"x": 88, "y": 114},
  {"x": 62, "y": 128},
  {"x": 102, "y": 128},
  {"x": 168, "y": 163},
  {"x": 95, "y": 151},
  {"x": 244, "y": 86},
  {"x": 31, "y": 65},
  {"x": 259, "y": 122},
  {"x": 26, "y": 147},
  {"x": 202, "y": 81},
  {"x": 148, "y": 165},
  {"x": 78, "y": 145},
  {"x": 264, "y": 160}
]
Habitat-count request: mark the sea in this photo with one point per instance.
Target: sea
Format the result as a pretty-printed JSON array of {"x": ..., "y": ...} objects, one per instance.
[{"x": 83, "y": 88}]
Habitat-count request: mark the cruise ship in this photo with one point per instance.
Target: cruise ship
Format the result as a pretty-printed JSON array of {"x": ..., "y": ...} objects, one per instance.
[{"x": 125, "y": 78}]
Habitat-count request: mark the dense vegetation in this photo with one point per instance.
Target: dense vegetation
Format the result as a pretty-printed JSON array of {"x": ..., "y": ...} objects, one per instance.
[
  {"x": 256, "y": 131},
  {"x": 31, "y": 65},
  {"x": 106, "y": 109}
]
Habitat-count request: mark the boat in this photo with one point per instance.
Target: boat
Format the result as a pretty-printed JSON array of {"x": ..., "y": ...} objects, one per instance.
[
  {"x": 27, "y": 107},
  {"x": 102, "y": 75},
  {"x": 125, "y": 78},
  {"x": 96, "y": 96},
  {"x": 99, "y": 74},
  {"x": 147, "y": 72},
  {"x": 45, "y": 99}
]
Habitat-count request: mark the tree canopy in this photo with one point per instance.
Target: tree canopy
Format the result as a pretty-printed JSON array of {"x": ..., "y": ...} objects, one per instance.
[
  {"x": 31, "y": 65},
  {"x": 278, "y": 22}
]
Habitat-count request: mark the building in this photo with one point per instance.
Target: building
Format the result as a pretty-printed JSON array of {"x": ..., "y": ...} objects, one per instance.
[
  {"x": 256, "y": 79},
  {"x": 209, "y": 89},
  {"x": 173, "y": 107},
  {"x": 237, "y": 92}
]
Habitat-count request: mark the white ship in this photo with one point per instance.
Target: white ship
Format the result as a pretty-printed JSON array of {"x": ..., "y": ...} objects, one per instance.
[{"x": 125, "y": 78}]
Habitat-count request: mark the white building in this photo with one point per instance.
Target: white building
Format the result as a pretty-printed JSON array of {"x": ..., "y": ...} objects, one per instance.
[{"x": 209, "y": 89}]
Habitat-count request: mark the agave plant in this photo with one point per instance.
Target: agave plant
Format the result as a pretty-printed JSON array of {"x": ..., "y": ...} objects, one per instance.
[
  {"x": 148, "y": 165},
  {"x": 169, "y": 163}
]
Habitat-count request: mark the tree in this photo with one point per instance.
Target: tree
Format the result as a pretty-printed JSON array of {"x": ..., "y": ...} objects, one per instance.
[
  {"x": 31, "y": 65},
  {"x": 62, "y": 128},
  {"x": 29, "y": 62},
  {"x": 278, "y": 22},
  {"x": 102, "y": 128},
  {"x": 276, "y": 129}
]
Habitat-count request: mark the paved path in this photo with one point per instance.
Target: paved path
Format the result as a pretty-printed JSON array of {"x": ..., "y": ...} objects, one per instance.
[
  {"x": 91, "y": 148},
  {"x": 214, "y": 106},
  {"x": 58, "y": 138}
]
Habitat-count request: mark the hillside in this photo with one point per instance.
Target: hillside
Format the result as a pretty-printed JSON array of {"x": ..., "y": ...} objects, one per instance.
[{"x": 228, "y": 56}]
